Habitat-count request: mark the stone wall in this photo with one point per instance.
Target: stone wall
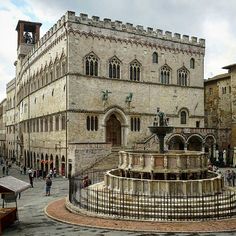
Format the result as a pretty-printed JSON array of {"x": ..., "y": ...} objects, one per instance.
[{"x": 82, "y": 155}]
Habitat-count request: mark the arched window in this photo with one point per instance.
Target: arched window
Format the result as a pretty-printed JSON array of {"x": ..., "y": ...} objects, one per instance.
[
  {"x": 114, "y": 68},
  {"x": 183, "y": 117},
  {"x": 91, "y": 65},
  {"x": 182, "y": 77},
  {"x": 135, "y": 70},
  {"x": 155, "y": 57},
  {"x": 192, "y": 63},
  {"x": 46, "y": 124},
  {"x": 165, "y": 74}
]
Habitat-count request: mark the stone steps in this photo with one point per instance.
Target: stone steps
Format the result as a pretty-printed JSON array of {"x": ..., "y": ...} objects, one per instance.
[{"x": 106, "y": 163}]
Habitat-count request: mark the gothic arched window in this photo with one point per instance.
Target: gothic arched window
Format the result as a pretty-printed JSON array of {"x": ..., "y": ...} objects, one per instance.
[
  {"x": 155, "y": 57},
  {"x": 165, "y": 74},
  {"x": 114, "y": 68},
  {"x": 91, "y": 65},
  {"x": 182, "y": 77},
  {"x": 192, "y": 63},
  {"x": 135, "y": 70}
]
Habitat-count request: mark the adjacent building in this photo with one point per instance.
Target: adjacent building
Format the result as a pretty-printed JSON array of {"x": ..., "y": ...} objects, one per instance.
[{"x": 3, "y": 152}]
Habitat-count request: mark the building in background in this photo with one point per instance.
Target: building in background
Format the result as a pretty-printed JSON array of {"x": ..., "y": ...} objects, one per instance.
[
  {"x": 3, "y": 153},
  {"x": 88, "y": 85},
  {"x": 219, "y": 113}
]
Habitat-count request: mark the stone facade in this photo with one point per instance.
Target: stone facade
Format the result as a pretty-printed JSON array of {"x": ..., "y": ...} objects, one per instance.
[
  {"x": 11, "y": 120},
  {"x": 98, "y": 81},
  {"x": 219, "y": 114},
  {"x": 3, "y": 104}
]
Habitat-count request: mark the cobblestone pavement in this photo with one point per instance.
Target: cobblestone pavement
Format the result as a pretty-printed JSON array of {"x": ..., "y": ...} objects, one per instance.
[{"x": 33, "y": 221}]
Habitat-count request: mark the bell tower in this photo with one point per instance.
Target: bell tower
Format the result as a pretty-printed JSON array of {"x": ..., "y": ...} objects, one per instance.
[{"x": 28, "y": 35}]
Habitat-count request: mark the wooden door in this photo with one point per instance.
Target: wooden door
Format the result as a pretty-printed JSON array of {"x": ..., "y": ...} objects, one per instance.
[{"x": 113, "y": 131}]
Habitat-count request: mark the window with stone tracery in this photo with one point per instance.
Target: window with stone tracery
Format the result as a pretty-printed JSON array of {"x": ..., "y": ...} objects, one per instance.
[
  {"x": 135, "y": 70},
  {"x": 58, "y": 71},
  {"x": 91, "y": 65},
  {"x": 165, "y": 74},
  {"x": 63, "y": 67},
  {"x": 114, "y": 68},
  {"x": 183, "y": 77}
]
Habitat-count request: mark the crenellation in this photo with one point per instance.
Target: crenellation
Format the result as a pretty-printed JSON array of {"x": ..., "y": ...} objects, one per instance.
[
  {"x": 159, "y": 33},
  {"x": 118, "y": 25},
  {"x": 140, "y": 29},
  {"x": 59, "y": 23},
  {"x": 168, "y": 35},
  {"x": 107, "y": 22},
  {"x": 54, "y": 28},
  {"x": 95, "y": 18},
  {"x": 129, "y": 27},
  {"x": 194, "y": 39},
  {"x": 63, "y": 19},
  {"x": 202, "y": 42},
  {"x": 83, "y": 17},
  {"x": 70, "y": 15},
  {"x": 177, "y": 36},
  {"x": 185, "y": 38}
]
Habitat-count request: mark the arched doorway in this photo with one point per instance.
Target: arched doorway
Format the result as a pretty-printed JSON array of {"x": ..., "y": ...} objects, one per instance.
[
  {"x": 113, "y": 131},
  {"x": 57, "y": 164},
  {"x": 63, "y": 166},
  {"x": 51, "y": 162}
]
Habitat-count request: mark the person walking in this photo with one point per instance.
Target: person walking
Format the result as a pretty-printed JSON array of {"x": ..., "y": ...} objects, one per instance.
[
  {"x": 48, "y": 186},
  {"x": 3, "y": 170},
  {"x": 7, "y": 170},
  {"x": 31, "y": 177},
  {"x": 24, "y": 170}
]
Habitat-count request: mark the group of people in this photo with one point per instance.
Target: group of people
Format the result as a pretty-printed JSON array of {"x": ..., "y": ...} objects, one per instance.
[
  {"x": 230, "y": 177},
  {"x": 48, "y": 179}
]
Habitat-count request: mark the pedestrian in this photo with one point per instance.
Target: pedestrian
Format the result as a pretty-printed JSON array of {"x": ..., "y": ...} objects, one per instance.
[
  {"x": 54, "y": 172},
  {"x": 21, "y": 170},
  {"x": 50, "y": 173},
  {"x": 24, "y": 170},
  {"x": 228, "y": 177},
  {"x": 48, "y": 186},
  {"x": 31, "y": 177},
  {"x": 233, "y": 174},
  {"x": 3, "y": 170},
  {"x": 7, "y": 170}
]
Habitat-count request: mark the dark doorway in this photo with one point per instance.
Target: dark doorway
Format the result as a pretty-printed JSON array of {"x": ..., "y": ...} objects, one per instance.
[{"x": 113, "y": 131}]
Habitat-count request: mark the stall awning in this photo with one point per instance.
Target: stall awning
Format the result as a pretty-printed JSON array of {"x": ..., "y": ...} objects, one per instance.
[{"x": 11, "y": 184}]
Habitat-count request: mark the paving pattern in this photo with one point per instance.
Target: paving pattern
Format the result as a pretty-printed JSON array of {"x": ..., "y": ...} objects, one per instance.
[{"x": 34, "y": 222}]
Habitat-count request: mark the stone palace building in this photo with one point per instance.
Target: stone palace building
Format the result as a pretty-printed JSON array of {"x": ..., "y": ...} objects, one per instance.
[{"x": 89, "y": 85}]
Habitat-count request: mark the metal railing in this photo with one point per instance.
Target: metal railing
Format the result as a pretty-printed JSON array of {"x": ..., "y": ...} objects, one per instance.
[{"x": 164, "y": 207}]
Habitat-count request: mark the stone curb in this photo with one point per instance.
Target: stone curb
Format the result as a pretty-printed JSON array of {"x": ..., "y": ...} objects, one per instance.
[{"x": 57, "y": 210}]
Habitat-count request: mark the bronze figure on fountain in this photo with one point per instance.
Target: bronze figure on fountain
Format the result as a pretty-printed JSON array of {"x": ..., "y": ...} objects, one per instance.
[{"x": 160, "y": 128}]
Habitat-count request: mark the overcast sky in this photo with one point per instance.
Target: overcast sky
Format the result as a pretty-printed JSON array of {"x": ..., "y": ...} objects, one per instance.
[{"x": 208, "y": 19}]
